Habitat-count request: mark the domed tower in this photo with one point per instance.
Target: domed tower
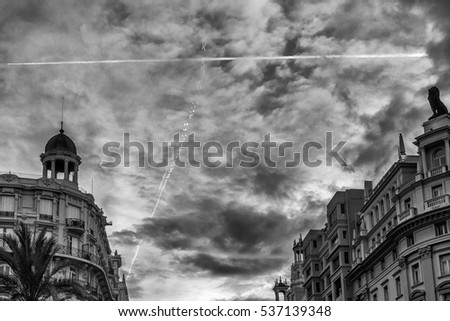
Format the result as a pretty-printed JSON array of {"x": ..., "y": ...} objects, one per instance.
[{"x": 60, "y": 160}]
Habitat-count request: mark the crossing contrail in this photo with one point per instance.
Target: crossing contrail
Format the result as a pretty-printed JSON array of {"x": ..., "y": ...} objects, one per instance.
[{"x": 208, "y": 59}]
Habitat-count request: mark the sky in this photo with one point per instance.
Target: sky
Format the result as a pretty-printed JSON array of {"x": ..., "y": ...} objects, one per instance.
[{"x": 217, "y": 233}]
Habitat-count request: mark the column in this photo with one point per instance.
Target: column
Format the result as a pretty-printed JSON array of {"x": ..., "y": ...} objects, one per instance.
[
  {"x": 404, "y": 279},
  {"x": 447, "y": 153},
  {"x": 427, "y": 273},
  {"x": 424, "y": 161},
  {"x": 44, "y": 170},
  {"x": 66, "y": 169},
  {"x": 75, "y": 174},
  {"x": 53, "y": 169}
]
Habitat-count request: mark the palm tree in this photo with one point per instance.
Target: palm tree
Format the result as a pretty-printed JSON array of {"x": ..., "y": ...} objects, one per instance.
[{"x": 29, "y": 258}]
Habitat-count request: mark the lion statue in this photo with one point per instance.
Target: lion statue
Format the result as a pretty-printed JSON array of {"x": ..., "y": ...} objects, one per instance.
[{"x": 437, "y": 106}]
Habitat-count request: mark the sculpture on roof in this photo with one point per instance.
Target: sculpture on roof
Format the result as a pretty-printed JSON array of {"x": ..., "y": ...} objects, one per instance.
[{"x": 437, "y": 106}]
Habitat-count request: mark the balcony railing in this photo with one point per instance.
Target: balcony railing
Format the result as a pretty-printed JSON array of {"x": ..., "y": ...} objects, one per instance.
[
  {"x": 6, "y": 214},
  {"x": 437, "y": 202},
  {"x": 436, "y": 171},
  {"x": 407, "y": 214},
  {"x": 46, "y": 217},
  {"x": 82, "y": 254},
  {"x": 75, "y": 223}
]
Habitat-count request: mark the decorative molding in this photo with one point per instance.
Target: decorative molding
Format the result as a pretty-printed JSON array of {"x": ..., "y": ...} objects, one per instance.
[
  {"x": 425, "y": 252},
  {"x": 402, "y": 262}
]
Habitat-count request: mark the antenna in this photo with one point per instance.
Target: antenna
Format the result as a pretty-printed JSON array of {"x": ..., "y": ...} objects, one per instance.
[{"x": 62, "y": 115}]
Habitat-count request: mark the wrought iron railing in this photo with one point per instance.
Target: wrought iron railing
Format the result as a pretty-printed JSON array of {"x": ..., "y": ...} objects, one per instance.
[
  {"x": 7, "y": 214},
  {"x": 75, "y": 222}
]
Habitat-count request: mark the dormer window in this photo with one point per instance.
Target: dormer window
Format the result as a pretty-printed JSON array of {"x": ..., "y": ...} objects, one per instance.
[{"x": 438, "y": 157}]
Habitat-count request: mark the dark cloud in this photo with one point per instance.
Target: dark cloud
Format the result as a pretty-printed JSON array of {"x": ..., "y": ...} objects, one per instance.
[
  {"x": 232, "y": 266},
  {"x": 382, "y": 129},
  {"x": 117, "y": 12}
]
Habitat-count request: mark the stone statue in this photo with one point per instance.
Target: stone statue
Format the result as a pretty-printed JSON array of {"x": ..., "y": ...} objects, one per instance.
[{"x": 437, "y": 106}]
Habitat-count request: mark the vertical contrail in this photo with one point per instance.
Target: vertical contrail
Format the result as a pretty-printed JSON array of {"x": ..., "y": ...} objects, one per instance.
[
  {"x": 135, "y": 256},
  {"x": 169, "y": 170}
]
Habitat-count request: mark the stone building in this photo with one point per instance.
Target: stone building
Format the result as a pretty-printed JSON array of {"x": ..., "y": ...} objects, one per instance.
[
  {"x": 394, "y": 244},
  {"x": 55, "y": 200}
]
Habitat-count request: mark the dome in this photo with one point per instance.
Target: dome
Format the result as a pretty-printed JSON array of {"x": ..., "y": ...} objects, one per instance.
[{"x": 61, "y": 142}]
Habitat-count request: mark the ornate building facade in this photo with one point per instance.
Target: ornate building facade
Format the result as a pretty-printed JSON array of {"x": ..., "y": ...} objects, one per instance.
[
  {"x": 55, "y": 200},
  {"x": 394, "y": 243}
]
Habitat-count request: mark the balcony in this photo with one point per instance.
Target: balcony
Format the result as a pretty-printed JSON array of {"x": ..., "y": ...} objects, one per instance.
[
  {"x": 437, "y": 202},
  {"x": 75, "y": 224},
  {"x": 46, "y": 217},
  {"x": 6, "y": 214},
  {"x": 436, "y": 171},
  {"x": 407, "y": 214},
  {"x": 82, "y": 254}
]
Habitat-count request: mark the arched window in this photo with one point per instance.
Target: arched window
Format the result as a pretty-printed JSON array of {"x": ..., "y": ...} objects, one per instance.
[
  {"x": 388, "y": 201},
  {"x": 438, "y": 157},
  {"x": 377, "y": 214},
  {"x": 417, "y": 295},
  {"x": 443, "y": 290},
  {"x": 382, "y": 207}
]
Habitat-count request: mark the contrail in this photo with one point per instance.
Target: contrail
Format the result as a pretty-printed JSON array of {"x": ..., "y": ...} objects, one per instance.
[
  {"x": 135, "y": 256},
  {"x": 206, "y": 59}
]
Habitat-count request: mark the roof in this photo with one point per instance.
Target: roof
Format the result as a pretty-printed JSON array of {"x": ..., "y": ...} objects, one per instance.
[{"x": 61, "y": 142}]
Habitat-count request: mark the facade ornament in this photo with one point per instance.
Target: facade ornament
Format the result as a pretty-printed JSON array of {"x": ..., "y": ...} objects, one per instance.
[
  {"x": 437, "y": 106},
  {"x": 47, "y": 181},
  {"x": 425, "y": 252},
  {"x": 402, "y": 262}
]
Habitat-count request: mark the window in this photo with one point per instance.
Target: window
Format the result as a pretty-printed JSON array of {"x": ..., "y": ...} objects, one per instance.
[
  {"x": 346, "y": 258},
  {"x": 372, "y": 274},
  {"x": 394, "y": 255},
  {"x": 7, "y": 203},
  {"x": 382, "y": 207},
  {"x": 308, "y": 272},
  {"x": 334, "y": 240},
  {"x": 5, "y": 231},
  {"x": 314, "y": 244},
  {"x": 398, "y": 286},
  {"x": 73, "y": 212},
  {"x": 342, "y": 208},
  {"x": 316, "y": 267},
  {"x": 372, "y": 222},
  {"x": 415, "y": 269},
  {"x": 74, "y": 245},
  {"x": 438, "y": 157},
  {"x": 333, "y": 216},
  {"x": 318, "y": 287},
  {"x": 309, "y": 291},
  {"x": 441, "y": 228},
  {"x": 338, "y": 288},
  {"x": 377, "y": 213},
  {"x": 383, "y": 264},
  {"x": 374, "y": 297},
  {"x": 336, "y": 263},
  {"x": 437, "y": 191},
  {"x": 445, "y": 264},
  {"x": 344, "y": 234},
  {"x": 386, "y": 293},
  {"x": 388, "y": 201},
  {"x": 359, "y": 282},
  {"x": 407, "y": 203},
  {"x": 410, "y": 240},
  {"x": 46, "y": 207}
]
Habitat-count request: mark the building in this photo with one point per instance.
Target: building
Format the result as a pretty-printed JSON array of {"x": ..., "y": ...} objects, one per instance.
[
  {"x": 55, "y": 200},
  {"x": 393, "y": 241}
]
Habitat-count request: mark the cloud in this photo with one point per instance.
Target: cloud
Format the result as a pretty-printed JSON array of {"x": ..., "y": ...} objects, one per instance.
[{"x": 232, "y": 266}]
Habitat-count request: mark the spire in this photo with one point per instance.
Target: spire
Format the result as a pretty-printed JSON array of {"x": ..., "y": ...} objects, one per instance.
[
  {"x": 62, "y": 116},
  {"x": 401, "y": 146}
]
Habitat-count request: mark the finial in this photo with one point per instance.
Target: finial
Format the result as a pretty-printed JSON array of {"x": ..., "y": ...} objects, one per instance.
[
  {"x": 62, "y": 116},
  {"x": 401, "y": 146}
]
